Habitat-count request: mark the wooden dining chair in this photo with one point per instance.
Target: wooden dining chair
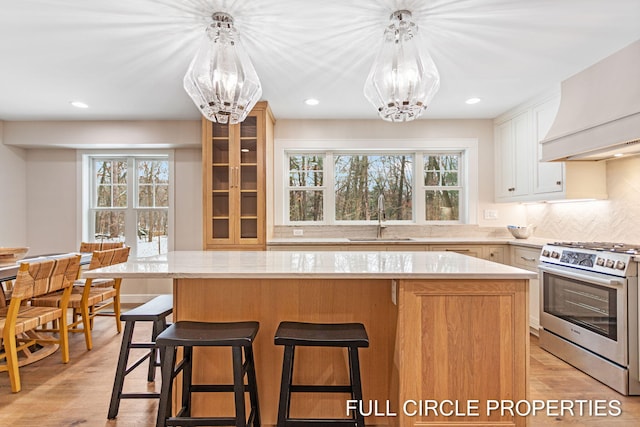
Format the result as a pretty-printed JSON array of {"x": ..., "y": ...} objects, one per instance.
[
  {"x": 23, "y": 324},
  {"x": 88, "y": 300}
]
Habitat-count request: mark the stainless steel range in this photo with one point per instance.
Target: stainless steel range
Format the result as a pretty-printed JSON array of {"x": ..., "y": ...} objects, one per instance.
[{"x": 589, "y": 309}]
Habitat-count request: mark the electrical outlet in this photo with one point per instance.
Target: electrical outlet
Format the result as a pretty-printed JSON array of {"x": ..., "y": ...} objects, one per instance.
[
  {"x": 490, "y": 214},
  {"x": 298, "y": 232}
]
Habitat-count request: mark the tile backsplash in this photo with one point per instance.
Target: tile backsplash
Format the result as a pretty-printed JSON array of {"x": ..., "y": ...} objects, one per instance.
[
  {"x": 391, "y": 231},
  {"x": 614, "y": 220}
]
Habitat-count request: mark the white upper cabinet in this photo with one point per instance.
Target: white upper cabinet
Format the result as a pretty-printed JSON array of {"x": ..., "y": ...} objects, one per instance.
[
  {"x": 521, "y": 176},
  {"x": 513, "y": 157},
  {"x": 547, "y": 176}
]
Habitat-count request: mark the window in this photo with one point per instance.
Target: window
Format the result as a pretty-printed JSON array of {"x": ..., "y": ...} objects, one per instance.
[
  {"x": 361, "y": 179},
  {"x": 128, "y": 201},
  {"x": 442, "y": 186},
  {"x": 422, "y": 182},
  {"x": 306, "y": 187}
]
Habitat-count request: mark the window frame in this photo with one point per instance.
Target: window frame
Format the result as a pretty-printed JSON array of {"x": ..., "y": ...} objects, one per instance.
[
  {"x": 468, "y": 147},
  {"x": 87, "y": 206}
]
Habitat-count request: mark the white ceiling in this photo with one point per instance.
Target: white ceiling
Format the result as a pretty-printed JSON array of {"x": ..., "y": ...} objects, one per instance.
[{"x": 127, "y": 58}]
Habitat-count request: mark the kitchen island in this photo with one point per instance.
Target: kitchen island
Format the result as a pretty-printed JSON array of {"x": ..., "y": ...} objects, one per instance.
[{"x": 448, "y": 332}]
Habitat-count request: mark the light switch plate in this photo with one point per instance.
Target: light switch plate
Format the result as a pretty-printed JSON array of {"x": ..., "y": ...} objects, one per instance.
[
  {"x": 490, "y": 214},
  {"x": 298, "y": 232}
]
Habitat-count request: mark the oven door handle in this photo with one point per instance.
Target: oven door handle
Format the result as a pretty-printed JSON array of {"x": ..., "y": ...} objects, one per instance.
[{"x": 589, "y": 278}]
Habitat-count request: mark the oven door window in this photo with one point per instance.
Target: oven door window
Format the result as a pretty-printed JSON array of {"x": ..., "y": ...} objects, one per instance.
[{"x": 587, "y": 305}]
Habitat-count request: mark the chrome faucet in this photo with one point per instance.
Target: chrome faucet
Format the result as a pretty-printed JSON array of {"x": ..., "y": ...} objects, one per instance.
[{"x": 381, "y": 216}]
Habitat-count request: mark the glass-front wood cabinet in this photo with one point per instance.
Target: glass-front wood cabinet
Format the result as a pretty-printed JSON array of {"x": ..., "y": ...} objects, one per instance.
[{"x": 234, "y": 181}]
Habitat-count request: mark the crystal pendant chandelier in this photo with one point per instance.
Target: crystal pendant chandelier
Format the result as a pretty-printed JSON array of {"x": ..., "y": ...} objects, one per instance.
[
  {"x": 221, "y": 80},
  {"x": 403, "y": 78}
]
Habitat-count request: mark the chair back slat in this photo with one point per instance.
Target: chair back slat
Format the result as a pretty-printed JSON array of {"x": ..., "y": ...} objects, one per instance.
[
  {"x": 101, "y": 259},
  {"x": 120, "y": 255},
  {"x": 99, "y": 246},
  {"x": 89, "y": 246},
  {"x": 32, "y": 279},
  {"x": 64, "y": 273},
  {"x": 111, "y": 245}
]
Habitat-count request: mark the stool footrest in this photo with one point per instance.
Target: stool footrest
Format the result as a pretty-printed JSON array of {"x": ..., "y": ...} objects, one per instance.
[
  {"x": 303, "y": 422},
  {"x": 137, "y": 363},
  {"x": 299, "y": 388},
  {"x": 214, "y": 388},
  {"x": 197, "y": 421},
  {"x": 139, "y": 395}
]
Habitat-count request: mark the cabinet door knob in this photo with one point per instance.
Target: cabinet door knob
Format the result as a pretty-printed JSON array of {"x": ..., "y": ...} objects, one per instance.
[
  {"x": 558, "y": 182},
  {"x": 512, "y": 189}
]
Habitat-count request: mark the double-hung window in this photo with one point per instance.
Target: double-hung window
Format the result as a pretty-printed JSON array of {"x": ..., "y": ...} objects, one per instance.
[{"x": 129, "y": 201}]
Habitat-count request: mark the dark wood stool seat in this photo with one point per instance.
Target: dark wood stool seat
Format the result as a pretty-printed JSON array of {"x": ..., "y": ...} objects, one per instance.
[
  {"x": 348, "y": 335},
  {"x": 237, "y": 335},
  {"x": 155, "y": 311}
]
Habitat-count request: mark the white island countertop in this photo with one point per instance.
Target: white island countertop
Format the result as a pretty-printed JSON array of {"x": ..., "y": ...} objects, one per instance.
[{"x": 319, "y": 265}]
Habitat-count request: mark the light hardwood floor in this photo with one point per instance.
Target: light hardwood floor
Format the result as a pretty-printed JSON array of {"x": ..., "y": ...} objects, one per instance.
[{"x": 77, "y": 394}]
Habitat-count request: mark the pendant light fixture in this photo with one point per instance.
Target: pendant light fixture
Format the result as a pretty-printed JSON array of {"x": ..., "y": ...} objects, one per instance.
[
  {"x": 403, "y": 78},
  {"x": 221, "y": 80}
]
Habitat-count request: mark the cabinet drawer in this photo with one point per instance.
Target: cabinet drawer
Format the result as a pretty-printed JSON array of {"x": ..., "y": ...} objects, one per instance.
[{"x": 526, "y": 258}]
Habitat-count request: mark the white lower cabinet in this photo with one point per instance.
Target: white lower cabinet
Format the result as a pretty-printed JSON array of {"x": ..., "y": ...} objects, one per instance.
[
  {"x": 496, "y": 253},
  {"x": 527, "y": 259}
]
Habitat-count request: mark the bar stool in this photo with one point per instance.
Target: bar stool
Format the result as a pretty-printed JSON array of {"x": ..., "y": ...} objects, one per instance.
[
  {"x": 237, "y": 335},
  {"x": 155, "y": 311},
  {"x": 292, "y": 334}
]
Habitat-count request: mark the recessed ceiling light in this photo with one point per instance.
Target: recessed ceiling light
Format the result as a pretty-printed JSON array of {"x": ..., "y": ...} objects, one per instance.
[
  {"x": 311, "y": 101},
  {"x": 472, "y": 101},
  {"x": 618, "y": 155},
  {"x": 79, "y": 104}
]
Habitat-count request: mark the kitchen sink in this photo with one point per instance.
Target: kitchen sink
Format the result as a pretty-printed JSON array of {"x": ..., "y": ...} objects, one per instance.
[{"x": 380, "y": 239}]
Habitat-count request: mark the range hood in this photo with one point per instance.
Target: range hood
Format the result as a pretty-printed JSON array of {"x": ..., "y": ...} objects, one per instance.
[{"x": 599, "y": 113}]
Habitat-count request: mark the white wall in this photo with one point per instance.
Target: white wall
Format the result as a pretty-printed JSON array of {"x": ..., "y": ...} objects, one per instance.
[
  {"x": 13, "y": 189},
  {"x": 482, "y": 130},
  {"x": 44, "y": 184}
]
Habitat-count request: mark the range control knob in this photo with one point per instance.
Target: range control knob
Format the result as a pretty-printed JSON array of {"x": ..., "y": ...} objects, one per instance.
[
  {"x": 609, "y": 263},
  {"x": 545, "y": 252},
  {"x": 555, "y": 254},
  {"x": 600, "y": 261},
  {"x": 620, "y": 265}
]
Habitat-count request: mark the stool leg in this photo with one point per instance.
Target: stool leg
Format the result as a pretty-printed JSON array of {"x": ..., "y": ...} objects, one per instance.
[
  {"x": 118, "y": 383},
  {"x": 238, "y": 386},
  {"x": 356, "y": 384},
  {"x": 253, "y": 385},
  {"x": 158, "y": 326},
  {"x": 285, "y": 385},
  {"x": 164, "y": 406},
  {"x": 186, "y": 381}
]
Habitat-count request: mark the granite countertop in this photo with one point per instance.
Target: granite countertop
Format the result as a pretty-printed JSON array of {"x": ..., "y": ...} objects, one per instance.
[
  {"x": 311, "y": 264},
  {"x": 534, "y": 242}
]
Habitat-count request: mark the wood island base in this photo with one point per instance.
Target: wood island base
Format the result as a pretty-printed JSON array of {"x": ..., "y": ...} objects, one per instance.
[{"x": 440, "y": 347}]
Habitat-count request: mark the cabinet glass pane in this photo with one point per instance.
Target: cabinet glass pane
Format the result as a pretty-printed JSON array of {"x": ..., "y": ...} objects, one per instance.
[
  {"x": 248, "y": 178},
  {"x": 248, "y": 151},
  {"x": 220, "y": 229},
  {"x": 220, "y": 130},
  {"x": 221, "y": 204},
  {"x": 249, "y": 204},
  {"x": 220, "y": 152},
  {"x": 248, "y": 228},
  {"x": 220, "y": 178},
  {"x": 249, "y": 127}
]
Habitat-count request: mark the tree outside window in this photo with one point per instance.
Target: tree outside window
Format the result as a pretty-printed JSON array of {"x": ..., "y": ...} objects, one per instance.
[{"x": 361, "y": 179}]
